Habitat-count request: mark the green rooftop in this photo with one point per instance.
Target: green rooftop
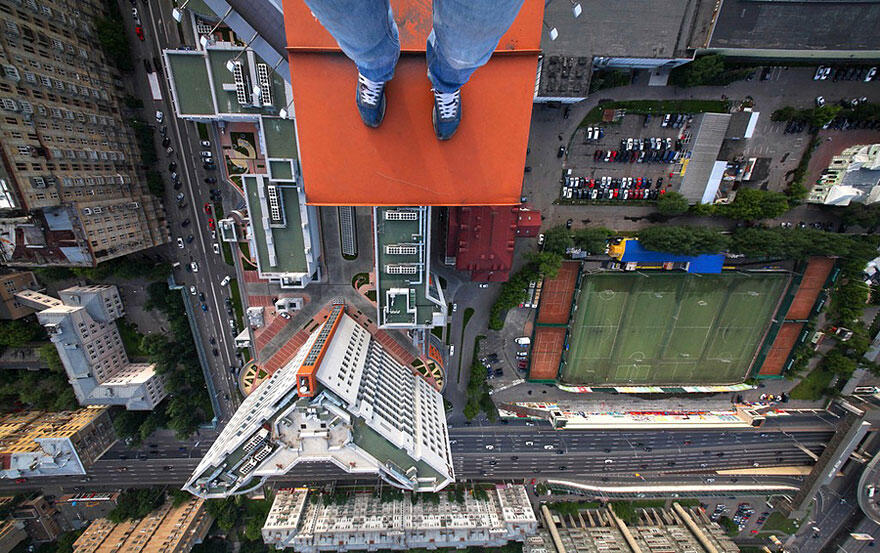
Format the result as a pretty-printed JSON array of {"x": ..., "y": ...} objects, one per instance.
[
  {"x": 288, "y": 240},
  {"x": 190, "y": 78},
  {"x": 280, "y": 170},
  {"x": 280, "y": 135},
  {"x": 226, "y": 99},
  {"x": 386, "y": 452},
  {"x": 402, "y": 233}
]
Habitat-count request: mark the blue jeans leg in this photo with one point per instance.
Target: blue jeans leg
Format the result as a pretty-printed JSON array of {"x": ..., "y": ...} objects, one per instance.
[
  {"x": 464, "y": 36},
  {"x": 366, "y": 32}
]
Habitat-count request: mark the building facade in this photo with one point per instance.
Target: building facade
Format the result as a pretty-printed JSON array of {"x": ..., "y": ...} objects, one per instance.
[
  {"x": 168, "y": 529},
  {"x": 72, "y": 188},
  {"x": 79, "y": 509},
  {"x": 82, "y": 325},
  {"x": 10, "y": 307},
  {"x": 342, "y": 399},
  {"x": 34, "y": 443},
  {"x": 852, "y": 176},
  {"x": 38, "y": 517},
  {"x": 369, "y": 522},
  {"x": 11, "y": 534}
]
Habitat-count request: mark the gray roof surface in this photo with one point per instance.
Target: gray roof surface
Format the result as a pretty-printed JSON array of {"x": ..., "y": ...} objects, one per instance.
[
  {"x": 804, "y": 25},
  {"x": 706, "y": 145},
  {"x": 637, "y": 28}
]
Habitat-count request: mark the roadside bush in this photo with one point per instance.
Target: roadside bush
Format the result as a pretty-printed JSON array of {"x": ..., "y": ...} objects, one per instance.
[
  {"x": 752, "y": 204},
  {"x": 710, "y": 70},
  {"x": 683, "y": 240},
  {"x": 672, "y": 204}
]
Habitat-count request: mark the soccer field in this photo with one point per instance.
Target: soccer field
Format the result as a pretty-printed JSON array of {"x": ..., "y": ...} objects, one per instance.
[{"x": 669, "y": 328}]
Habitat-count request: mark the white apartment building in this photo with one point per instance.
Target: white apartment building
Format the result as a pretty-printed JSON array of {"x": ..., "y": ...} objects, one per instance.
[
  {"x": 344, "y": 400},
  {"x": 82, "y": 325},
  {"x": 366, "y": 522}
]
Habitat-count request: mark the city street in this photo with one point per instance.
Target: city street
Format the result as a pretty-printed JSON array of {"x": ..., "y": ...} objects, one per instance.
[{"x": 212, "y": 323}]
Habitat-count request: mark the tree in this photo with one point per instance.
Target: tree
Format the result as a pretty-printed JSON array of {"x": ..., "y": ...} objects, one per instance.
[
  {"x": 49, "y": 354},
  {"x": 136, "y": 503},
  {"x": 672, "y": 204},
  {"x": 593, "y": 240},
  {"x": 546, "y": 263},
  {"x": 848, "y": 301},
  {"x": 701, "y": 71},
  {"x": 683, "y": 240},
  {"x": 557, "y": 240},
  {"x": 15, "y": 334},
  {"x": 752, "y": 205}
]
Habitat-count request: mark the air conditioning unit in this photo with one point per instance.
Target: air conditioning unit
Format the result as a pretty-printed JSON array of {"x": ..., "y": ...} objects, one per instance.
[
  {"x": 98, "y": 210},
  {"x": 87, "y": 211}
]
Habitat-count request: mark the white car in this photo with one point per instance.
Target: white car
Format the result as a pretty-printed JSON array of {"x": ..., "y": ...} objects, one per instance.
[
  {"x": 548, "y": 447},
  {"x": 194, "y": 266},
  {"x": 530, "y": 443},
  {"x": 135, "y": 16},
  {"x": 609, "y": 461},
  {"x": 205, "y": 153},
  {"x": 179, "y": 242},
  {"x": 820, "y": 101},
  {"x": 871, "y": 73},
  {"x": 819, "y": 71},
  {"x": 160, "y": 116},
  {"x": 490, "y": 447},
  {"x": 225, "y": 281},
  {"x": 484, "y": 285},
  {"x": 205, "y": 144},
  {"x": 216, "y": 248},
  {"x": 193, "y": 291}
]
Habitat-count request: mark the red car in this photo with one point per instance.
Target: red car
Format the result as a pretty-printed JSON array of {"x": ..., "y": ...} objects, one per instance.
[
  {"x": 211, "y": 224},
  {"x": 139, "y": 31},
  {"x": 208, "y": 208},
  {"x": 21, "y": 480}
]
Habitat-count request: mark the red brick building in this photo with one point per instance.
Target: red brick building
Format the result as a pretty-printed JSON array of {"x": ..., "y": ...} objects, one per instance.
[{"x": 481, "y": 239}]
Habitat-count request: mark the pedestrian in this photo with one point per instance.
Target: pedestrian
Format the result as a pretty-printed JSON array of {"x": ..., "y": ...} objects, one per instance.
[{"x": 462, "y": 39}]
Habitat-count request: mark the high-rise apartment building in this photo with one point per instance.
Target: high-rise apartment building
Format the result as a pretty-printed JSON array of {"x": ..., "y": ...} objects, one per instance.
[
  {"x": 168, "y": 529},
  {"x": 369, "y": 522},
  {"x": 82, "y": 325},
  {"x": 342, "y": 399},
  {"x": 34, "y": 443},
  {"x": 72, "y": 190}
]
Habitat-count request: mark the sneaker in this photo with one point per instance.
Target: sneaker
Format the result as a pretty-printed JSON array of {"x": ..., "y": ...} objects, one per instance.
[
  {"x": 370, "y": 99},
  {"x": 447, "y": 113}
]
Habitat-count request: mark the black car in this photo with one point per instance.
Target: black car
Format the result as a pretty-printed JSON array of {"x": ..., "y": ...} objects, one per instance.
[
  {"x": 166, "y": 142},
  {"x": 172, "y": 166},
  {"x": 185, "y": 223},
  {"x": 568, "y": 223},
  {"x": 209, "y": 166},
  {"x": 213, "y": 340},
  {"x": 147, "y": 67},
  {"x": 163, "y": 130},
  {"x": 189, "y": 238},
  {"x": 215, "y": 352},
  {"x": 201, "y": 296},
  {"x": 211, "y": 180},
  {"x": 560, "y": 152},
  {"x": 177, "y": 185}
]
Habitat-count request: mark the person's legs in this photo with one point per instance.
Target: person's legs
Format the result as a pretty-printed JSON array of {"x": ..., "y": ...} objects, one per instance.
[
  {"x": 366, "y": 32},
  {"x": 464, "y": 35}
]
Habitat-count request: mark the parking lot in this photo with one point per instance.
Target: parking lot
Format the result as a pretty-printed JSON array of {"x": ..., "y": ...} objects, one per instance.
[{"x": 637, "y": 158}]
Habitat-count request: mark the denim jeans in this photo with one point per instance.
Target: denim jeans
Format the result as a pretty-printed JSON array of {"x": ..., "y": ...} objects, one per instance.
[{"x": 463, "y": 37}]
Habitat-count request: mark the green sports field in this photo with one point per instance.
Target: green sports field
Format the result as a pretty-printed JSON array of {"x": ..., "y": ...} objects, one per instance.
[{"x": 669, "y": 328}]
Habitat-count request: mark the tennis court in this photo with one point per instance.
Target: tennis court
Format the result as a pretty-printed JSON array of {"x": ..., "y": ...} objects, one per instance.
[
  {"x": 813, "y": 281},
  {"x": 546, "y": 352},
  {"x": 556, "y": 295},
  {"x": 669, "y": 328}
]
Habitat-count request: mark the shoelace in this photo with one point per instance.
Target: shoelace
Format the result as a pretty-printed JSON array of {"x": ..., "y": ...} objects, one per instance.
[
  {"x": 371, "y": 91},
  {"x": 447, "y": 103}
]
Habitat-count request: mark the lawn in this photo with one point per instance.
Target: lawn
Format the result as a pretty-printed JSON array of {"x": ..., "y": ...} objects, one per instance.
[
  {"x": 669, "y": 328},
  {"x": 131, "y": 338},
  {"x": 777, "y": 522},
  {"x": 656, "y": 107},
  {"x": 813, "y": 386},
  {"x": 236, "y": 304}
]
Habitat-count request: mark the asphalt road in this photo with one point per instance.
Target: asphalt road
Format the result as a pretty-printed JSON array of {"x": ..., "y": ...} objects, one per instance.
[
  {"x": 162, "y": 32},
  {"x": 517, "y": 452}
]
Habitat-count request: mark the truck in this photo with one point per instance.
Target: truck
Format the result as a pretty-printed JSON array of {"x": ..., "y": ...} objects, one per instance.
[{"x": 154, "y": 86}]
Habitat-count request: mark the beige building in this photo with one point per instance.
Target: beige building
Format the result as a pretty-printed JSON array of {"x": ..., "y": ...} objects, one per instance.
[
  {"x": 367, "y": 522},
  {"x": 35, "y": 443},
  {"x": 853, "y": 175},
  {"x": 168, "y": 529},
  {"x": 10, "y": 308},
  {"x": 11, "y": 534},
  {"x": 72, "y": 191},
  {"x": 674, "y": 530},
  {"x": 82, "y": 325}
]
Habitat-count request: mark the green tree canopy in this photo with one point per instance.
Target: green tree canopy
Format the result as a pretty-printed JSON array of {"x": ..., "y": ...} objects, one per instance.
[
  {"x": 672, "y": 204},
  {"x": 136, "y": 503},
  {"x": 753, "y": 205},
  {"x": 15, "y": 334},
  {"x": 557, "y": 239},
  {"x": 592, "y": 239},
  {"x": 683, "y": 240}
]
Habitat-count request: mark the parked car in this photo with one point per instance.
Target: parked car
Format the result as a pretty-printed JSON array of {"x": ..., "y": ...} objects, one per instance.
[{"x": 139, "y": 32}]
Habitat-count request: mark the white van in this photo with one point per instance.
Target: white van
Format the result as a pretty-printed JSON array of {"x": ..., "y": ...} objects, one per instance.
[{"x": 225, "y": 281}]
